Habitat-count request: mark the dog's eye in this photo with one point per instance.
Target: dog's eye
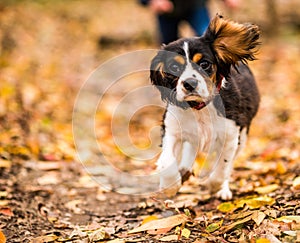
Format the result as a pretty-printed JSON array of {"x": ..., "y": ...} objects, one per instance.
[
  {"x": 206, "y": 66},
  {"x": 174, "y": 68}
]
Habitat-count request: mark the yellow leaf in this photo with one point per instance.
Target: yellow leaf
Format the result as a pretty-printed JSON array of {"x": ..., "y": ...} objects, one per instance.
[
  {"x": 5, "y": 163},
  {"x": 214, "y": 226},
  {"x": 2, "y": 237},
  {"x": 262, "y": 240},
  {"x": 289, "y": 219},
  {"x": 186, "y": 233},
  {"x": 149, "y": 218},
  {"x": 226, "y": 207},
  {"x": 266, "y": 189},
  {"x": 281, "y": 168},
  {"x": 296, "y": 183},
  {"x": 169, "y": 238},
  {"x": 3, "y": 203},
  {"x": 255, "y": 202},
  {"x": 161, "y": 223}
]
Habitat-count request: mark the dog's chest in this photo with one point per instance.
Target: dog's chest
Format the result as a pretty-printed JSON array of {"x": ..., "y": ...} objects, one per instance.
[{"x": 197, "y": 127}]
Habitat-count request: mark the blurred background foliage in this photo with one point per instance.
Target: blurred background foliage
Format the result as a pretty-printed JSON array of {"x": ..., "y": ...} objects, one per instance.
[{"x": 49, "y": 48}]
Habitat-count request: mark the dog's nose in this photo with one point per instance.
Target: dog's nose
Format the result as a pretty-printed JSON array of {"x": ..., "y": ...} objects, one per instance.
[{"x": 190, "y": 84}]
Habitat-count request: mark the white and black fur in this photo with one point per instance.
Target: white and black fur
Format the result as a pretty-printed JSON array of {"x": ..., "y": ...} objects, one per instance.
[{"x": 211, "y": 98}]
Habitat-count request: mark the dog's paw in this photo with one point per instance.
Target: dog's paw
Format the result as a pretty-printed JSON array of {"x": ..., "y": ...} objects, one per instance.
[{"x": 225, "y": 193}]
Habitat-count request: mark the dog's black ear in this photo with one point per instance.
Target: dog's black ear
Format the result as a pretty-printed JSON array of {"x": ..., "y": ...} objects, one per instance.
[
  {"x": 156, "y": 70},
  {"x": 232, "y": 42}
]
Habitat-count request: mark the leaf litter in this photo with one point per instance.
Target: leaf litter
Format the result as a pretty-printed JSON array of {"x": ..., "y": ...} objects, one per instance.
[{"x": 46, "y": 197}]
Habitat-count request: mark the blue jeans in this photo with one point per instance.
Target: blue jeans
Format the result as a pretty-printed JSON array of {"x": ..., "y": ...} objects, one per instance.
[{"x": 168, "y": 25}]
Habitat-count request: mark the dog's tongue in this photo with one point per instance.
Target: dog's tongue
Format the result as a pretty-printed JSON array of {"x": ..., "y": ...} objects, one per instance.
[{"x": 197, "y": 105}]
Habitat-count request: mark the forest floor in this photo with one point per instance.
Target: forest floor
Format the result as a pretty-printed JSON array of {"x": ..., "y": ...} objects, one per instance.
[{"x": 47, "y": 52}]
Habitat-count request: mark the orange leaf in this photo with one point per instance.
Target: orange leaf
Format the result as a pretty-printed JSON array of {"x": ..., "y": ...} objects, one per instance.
[
  {"x": 6, "y": 211},
  {"x": 2, "y": 237}
]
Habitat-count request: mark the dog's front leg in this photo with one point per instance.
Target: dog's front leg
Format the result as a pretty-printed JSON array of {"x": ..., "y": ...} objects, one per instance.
[
  {"x": 187, "y": 160},
  {"x": 167, "y": 165}
]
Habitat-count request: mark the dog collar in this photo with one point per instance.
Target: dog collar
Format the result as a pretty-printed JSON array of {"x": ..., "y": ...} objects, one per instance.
[{"x": 201, "y": 105}]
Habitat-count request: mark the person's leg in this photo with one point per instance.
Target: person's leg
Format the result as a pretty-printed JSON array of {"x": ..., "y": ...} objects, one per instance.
[
  {"x": 199, "y": 20},
  {"x": 168, "y": 28}
]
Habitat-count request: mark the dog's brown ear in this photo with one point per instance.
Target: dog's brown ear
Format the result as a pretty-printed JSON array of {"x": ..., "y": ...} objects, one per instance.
[{"x": 232, "y": 42}]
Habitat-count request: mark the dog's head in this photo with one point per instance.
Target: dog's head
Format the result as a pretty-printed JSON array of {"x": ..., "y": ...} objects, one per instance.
[{"x": 189, "y": 72}]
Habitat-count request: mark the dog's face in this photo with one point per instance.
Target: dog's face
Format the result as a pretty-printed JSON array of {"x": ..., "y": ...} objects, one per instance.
[{"x": 188, "y": 72}]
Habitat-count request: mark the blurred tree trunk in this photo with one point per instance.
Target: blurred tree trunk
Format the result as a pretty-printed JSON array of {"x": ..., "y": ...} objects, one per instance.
[{"x": 273, "y": 18}]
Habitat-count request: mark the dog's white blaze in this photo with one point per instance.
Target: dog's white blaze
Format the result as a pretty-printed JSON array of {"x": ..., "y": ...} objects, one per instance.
[{"x": 190, "y": 72}]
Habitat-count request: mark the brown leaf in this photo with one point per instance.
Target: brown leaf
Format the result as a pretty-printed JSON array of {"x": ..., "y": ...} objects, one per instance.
[
  {"x": 231, "y": 226},
  {"x": 161, "y": 223},
  {"x": 258, "y": 217},
  {"x": 159, "y": 231},
  {"x": 169, "y": 238}
]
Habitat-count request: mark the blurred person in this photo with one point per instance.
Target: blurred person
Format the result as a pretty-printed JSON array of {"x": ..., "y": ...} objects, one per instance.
[{"x": 170, "y": 13}]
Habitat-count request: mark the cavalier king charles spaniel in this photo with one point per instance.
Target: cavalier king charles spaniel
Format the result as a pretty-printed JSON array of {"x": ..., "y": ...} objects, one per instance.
[{"x": 211, "y": 98}]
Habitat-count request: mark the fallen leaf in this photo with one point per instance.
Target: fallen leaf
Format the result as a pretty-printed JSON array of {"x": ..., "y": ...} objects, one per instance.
[
  {"x": 266, "y": 189},
  {"x": 159, "y": 231},
  {"x": 255, "y": 202},
  {"x": 99, "y": 234},
  {"x": 296, "y": 183},
  {"x": 2, "y": 237},
  {"x": 271, "y": 213},
  {"x": 233, "y": 225},
  {"x": 161, "y": 223},
  {"x": 6, "y": 211},
  {"x": 49, "y": 165},
  {"x": 258, "y": 217},
  {"x": 3, "y": 193},
  {"x": 281, "y": 168},
  {"x": 262, "y": 240},
  {"x": 290, "y": 233},
  {"x": 226, "y": 207},
  {"x": 3, "y": 203},
  {"x": 240, "y": 215},
  {"x": 214, "y": 226},
  {"x": 5, "y": 163},
  {"x": 169, "y": 238},
  {"x": 116, "y": 241},
  {"x": 44, "y": 239},
  {"x": 149, "y": 218},
  {"x": 186, "y": 233},
  {"x": 289, "y": 219}
]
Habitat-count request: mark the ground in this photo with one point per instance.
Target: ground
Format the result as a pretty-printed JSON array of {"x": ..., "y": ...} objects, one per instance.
[{"x": 48, "y": 50}]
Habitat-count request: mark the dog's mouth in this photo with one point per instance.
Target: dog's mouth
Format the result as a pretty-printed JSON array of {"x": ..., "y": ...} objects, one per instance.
[
  {"x": 196, "y": 101},
  {"x": 194, "y": 98}
]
